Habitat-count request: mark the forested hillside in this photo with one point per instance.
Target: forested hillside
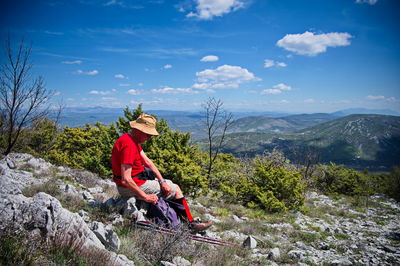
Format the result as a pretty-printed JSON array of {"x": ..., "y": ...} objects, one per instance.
[{"x": 360, "y": 141}]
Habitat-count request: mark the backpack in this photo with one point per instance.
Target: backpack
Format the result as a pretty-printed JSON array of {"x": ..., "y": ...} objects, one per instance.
[{"x": 163, "y": 214}]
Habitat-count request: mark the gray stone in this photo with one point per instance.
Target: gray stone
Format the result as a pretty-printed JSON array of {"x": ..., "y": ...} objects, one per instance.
[
  {"x": 84, "y": 216},
  {"x": 297, "y": 255},
  {"x": 181, "y": 261},
  {"x": 237, "y": 219},
  {"x": 70, "y": 189},
  {"x": 95, "y": 190},
  {"x": 212, "y": 218},
  {"x": 341, "y": 262},
  {"x": 106, "y": 235},
  {"x": 250, "y": 242},
  {"x": 274, "y": 254},
  {"x": 87, "y": 196},
  {"x": 166, "y": 263},
  {"x": 129, "y": 207}
]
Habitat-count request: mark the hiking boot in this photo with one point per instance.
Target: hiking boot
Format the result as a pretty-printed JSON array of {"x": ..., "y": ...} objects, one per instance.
[{"x": 198, "y": 226}]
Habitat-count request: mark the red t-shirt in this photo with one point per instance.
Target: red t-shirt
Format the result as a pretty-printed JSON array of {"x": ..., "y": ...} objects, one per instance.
[{"x": 126, "y": 151}]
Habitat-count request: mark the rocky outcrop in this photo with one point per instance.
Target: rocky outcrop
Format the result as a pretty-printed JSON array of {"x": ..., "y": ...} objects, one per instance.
[{"x": 43, "y": 214}]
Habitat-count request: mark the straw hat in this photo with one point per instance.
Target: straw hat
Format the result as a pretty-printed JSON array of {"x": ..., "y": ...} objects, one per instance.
[{"x": 145, "y": 123}]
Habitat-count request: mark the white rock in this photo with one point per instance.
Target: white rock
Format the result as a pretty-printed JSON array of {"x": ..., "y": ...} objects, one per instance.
[
  {"x": 181, "y": 261},
  {"x": 298, "y": 255},
  {"x": 274, "y": 254},
  {"x": 250, "y": 242},
  {"x": 106, "y": 235}
]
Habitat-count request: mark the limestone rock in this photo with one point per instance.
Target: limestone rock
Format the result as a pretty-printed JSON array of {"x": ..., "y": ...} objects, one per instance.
[
  {"x": 250, "y": 242},
  {"x": 106, "y": 235},
  {"x": 274, "y": 254},
  {"x": 181, "y": 261}
]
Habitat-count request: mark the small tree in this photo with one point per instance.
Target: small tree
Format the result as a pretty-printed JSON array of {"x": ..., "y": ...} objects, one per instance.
[
  {"x": 23, "y": 98},
  {"x": 217, "y": 122}
]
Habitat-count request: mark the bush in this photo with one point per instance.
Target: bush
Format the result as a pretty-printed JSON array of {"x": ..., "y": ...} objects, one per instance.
[
  {"x": 85, "y": 148},
  {"x": 260, "y": 183},
  {"x": 340, "y": 180}
]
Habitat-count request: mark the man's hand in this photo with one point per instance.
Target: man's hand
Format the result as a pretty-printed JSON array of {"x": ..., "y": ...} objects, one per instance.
[
  {"x": 166, "y": 189},
  {"x": 151, "y": 198}
]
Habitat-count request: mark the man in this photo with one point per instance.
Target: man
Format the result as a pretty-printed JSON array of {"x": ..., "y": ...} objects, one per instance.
[{"x": 137, "y": 176}]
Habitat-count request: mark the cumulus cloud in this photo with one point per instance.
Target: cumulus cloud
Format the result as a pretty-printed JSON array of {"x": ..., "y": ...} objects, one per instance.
[
  {"x": 76, "y": 62},
  {"x": 120, "y": 76},
  {"x": 312, "y": 44},
  {"x": 270, "y": 63},
  {"x": 169, "y": 90},
  {"x": 167, "y": 66},
  {"x": 133, "y": 92},
  {"x": 271, "y": 91},
  {"x": 124, "y": 85},
  {"x": 277, "y": 89},
  {"x": 371, "y": 2},
  {"x": 283, "y": 87},
  {"x": 207, "y": 9},
  {"x": 89, "y": 73},
  {"x": 96, "y": 92},
  {"x": 225, "y": 76},
  {"x": 209, "y": 58}
]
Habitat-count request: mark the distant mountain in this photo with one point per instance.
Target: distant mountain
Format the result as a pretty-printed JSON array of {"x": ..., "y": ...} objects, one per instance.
[
  {"x": 365, "y": 111},
  {"x": 357, "y": 141},
  {"x": 262, "y": 124}
]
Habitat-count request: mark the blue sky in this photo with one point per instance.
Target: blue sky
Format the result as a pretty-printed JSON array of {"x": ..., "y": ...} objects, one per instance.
[{"x": 265, "y": 55}]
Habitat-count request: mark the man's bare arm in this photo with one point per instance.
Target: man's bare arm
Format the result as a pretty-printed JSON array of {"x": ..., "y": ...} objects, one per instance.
[{"x": 128, "y": 182}]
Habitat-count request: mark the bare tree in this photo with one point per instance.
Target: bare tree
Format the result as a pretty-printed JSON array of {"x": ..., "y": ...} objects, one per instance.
[
  {"x": 23, "y": 98},
  {"x": 217, "y": 122}
]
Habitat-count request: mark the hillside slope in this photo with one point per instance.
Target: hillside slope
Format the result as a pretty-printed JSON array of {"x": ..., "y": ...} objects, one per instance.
[{"x": 355, "y": 140}]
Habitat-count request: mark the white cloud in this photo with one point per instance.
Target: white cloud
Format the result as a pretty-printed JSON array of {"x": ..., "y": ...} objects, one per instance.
[
  {"x": 169, "y": 90},
  {"x": 77, "y": 62},
  {"x": 382, "y": 98},
  {"x": 207, "y": 9},
  {"x": 133, "y": 92},
  {"x": 167, "y": 66},
  {"x": 270, "y": 63},
  {"x": 283, "y": 87},
  {"x": 140, "y": 84},
  {"x": 309, "y": 101},
  {"x": 312, "y": 44},
  {"x": 124, "y": 85},
  {"x": 209, "y": 58},
  {"x": 271, "y": 91},
  {"x": 57, "y": 93},
  {"x": 89, "y": 73},
  {"x": 281, "y": 64},
  {"x": 378, "y": 97},
  {"x": 96, "y": 92},
  {"x": 371, "y": 2},
  {"x": 119, "y": 76},
  {"x": 225, "y": 76}
]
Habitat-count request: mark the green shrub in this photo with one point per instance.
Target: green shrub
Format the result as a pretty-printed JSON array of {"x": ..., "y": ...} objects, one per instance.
[
  {"x": 338, "y": 179},
  {"x": 260, "y": 183},
  {"x": 273, "y": 187},
  {"x": 85, "y": 148}
]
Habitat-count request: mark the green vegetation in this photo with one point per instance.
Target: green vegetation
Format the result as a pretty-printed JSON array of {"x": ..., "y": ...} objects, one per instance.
[{"x": 268, "y": 183}]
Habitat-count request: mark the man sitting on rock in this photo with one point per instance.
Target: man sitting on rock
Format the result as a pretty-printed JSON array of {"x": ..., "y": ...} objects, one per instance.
[{"x": 137, "y": 176}]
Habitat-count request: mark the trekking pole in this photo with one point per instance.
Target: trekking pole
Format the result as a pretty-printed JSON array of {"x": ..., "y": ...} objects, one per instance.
[{"x": 208, "y": 240}]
